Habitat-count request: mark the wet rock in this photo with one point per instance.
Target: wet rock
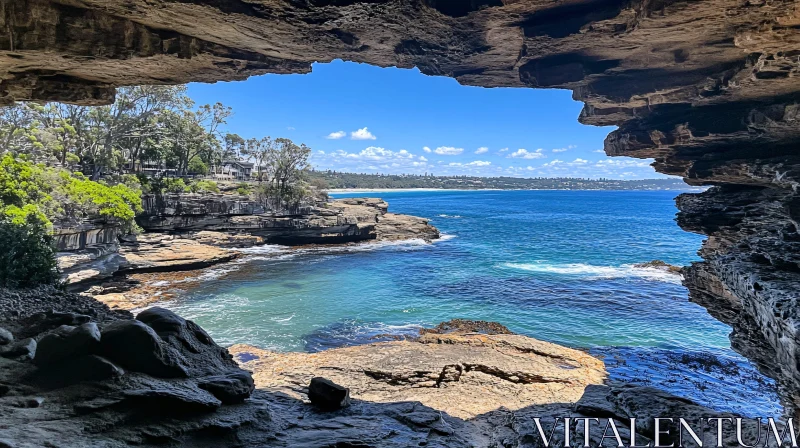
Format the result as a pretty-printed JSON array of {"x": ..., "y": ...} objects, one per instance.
[
  {"x": 67, "y": 342},
  {"x": 327, "y": 395},
  {"x": 467, "y": 326},
  {"x": 231, "y": 388},
  {"x": 24, "y": 349},
  {"x": 136, "y": 347},
  {"x": 5, "y": 336}
]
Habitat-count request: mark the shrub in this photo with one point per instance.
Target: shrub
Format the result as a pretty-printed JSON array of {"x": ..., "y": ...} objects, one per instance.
[
  {"x": 204, "y": 186},
  {"x": 243, "y": 189},
  {"x": 27, "y": 252},
  {"x": 173, "y": 185}
]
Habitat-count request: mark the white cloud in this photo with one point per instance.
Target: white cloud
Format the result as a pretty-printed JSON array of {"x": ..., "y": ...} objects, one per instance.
[
  {"x": 525, "y": 154},
  {"x": 426, "y": 149},
  {"x": 503, "y": 150},
  {"x": 290, "y": 128},
  {"x": 423, "y": 159},
  {"x": 362, "y": 134},
  {"x": 553, "y": 163},
  {"x": 448, "y": 151},
  {"x": 581, "y": 161},
  {"x": 336, "y": 135},
  {"x": 477, "y": 163},
  {"x": 601, "y": 151},
  {"x": 560, "y": 149},
  {"x": 481, "y": 150}
]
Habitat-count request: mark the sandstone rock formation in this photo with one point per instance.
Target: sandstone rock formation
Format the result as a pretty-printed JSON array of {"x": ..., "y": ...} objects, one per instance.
[
  {"x": 464, "y": 375},
  {"x": 191, "y": 231}
]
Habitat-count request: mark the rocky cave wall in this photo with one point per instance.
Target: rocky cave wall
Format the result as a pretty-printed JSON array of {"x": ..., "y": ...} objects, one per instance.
[{"x": 710, "y": 89}]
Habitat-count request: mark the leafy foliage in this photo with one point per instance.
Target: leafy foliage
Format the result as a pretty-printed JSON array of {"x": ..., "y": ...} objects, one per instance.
[
  {"x": 203, "y": 186},
  {"x": 27, "y": 253}
]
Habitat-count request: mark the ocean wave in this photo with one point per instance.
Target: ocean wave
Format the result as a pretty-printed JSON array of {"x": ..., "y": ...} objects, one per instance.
[
  {"x": 273, "y": 251},
  {"x": 599, "y": 272},
  {"x": 445, "y": 237},
  {"x": 450, "y": 216}
]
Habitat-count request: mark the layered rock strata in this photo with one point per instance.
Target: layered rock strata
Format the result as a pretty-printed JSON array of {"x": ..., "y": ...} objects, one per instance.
[{"x": 192, "y": 231}]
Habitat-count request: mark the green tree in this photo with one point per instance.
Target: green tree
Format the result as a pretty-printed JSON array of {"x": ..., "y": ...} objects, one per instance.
[{"x": 27, "y": 253}]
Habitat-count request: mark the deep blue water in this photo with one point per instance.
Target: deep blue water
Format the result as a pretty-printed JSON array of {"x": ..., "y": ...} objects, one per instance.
[{"x": 554, "y": 265}]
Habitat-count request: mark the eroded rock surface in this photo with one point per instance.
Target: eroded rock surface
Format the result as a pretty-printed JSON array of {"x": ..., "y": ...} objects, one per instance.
[
  {"x": 463, "y": 375},
  {"x": 191, "y": 231}
]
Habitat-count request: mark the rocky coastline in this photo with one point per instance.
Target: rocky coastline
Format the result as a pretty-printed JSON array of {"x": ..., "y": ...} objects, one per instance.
[
  {"x": 75, "y": 373},
  {"x": 185, "y": 232}
]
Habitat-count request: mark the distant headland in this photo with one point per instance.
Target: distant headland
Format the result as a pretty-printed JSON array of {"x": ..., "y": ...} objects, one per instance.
[{"x": 342, "y": 182}]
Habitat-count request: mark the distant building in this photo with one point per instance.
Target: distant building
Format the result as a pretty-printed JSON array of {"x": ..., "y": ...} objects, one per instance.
[{"x": 234, "y": 169}]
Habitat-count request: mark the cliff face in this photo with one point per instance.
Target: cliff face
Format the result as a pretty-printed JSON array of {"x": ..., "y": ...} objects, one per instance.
[
  {"x": 708, "y": 88},
  {"x": 192, "y": 231}
]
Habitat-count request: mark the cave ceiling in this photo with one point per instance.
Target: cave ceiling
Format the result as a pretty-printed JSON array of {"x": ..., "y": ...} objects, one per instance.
[{"x": 701, "y": 86}]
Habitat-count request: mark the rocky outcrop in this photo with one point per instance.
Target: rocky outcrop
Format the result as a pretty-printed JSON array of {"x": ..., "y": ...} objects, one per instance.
[
  {"x": 158, "y": 252},
  {"x": 343, "y": 221},
  {"x": 192, "y": 231},
  {"x": 464, "y": 374},
  {"x": 751, "y": 273},
  {"x": 107, "y": 379},
  {"x": 85, "y": 235},
  {"x": 102, "y": 378}
]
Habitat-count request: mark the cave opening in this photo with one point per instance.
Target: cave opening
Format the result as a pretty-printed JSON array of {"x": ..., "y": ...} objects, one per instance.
[{"x": 708, "y": 97}]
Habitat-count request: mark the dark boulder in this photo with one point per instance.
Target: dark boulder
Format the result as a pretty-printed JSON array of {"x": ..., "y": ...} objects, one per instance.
[
  {"x": 22, "y": 350},
  {"x": 327, "y": 395},
  {"x": 67, "y": 343},
  {"x": 136, "y": 347},
  {"x": 75, "y": 370},
  {"x": 174, "y": 329},
  {"x": 5, "y": 336},
  {"x": 230, "y": 388}
]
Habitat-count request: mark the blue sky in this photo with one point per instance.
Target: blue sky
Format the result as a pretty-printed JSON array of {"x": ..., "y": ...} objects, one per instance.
[{"x": 360, "y": 118}]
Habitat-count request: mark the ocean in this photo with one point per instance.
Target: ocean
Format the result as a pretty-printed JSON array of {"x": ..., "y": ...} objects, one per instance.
[{"x": 554, "y": 265}]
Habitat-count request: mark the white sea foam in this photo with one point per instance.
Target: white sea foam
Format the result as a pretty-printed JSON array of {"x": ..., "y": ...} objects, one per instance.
[
  {"x": 445, "y": 237},
  {"x": 272, "y": 252},
  {"x": 599, "y": 272},
  {"x": 450, "y": 216}
]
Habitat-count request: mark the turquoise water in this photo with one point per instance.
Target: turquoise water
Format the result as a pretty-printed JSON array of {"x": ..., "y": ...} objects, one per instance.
[{"x": 554, "y": 265}]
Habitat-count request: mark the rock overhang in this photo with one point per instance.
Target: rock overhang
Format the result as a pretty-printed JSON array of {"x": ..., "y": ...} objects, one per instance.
[
  {"x": 709, "y": 89},
  {"x": 679, "y": 78}
]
